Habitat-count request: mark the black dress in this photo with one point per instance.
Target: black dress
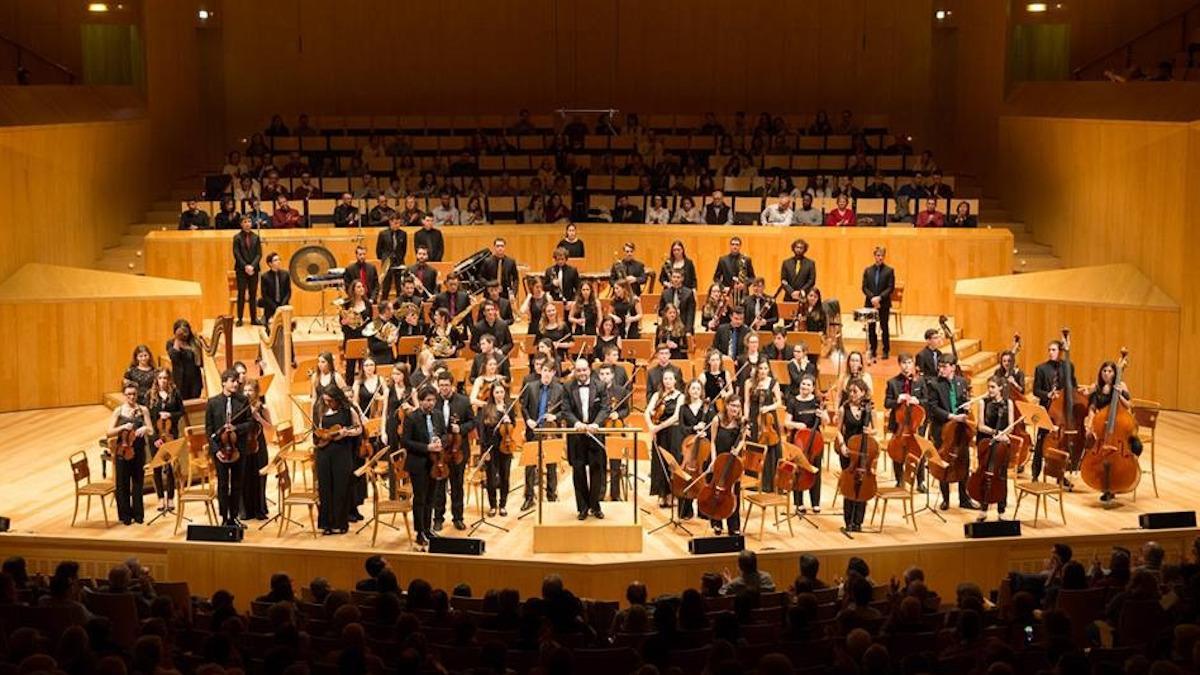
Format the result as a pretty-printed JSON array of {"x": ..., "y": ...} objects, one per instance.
[
  {"x": 574, "y": 249},
  {"x": 625, "y": 308},
  {"x": 365, "y": 396},
  {"x": 758, "y": 400},
  {"x": 1099, "y": 400},
  {"x": 164, "y": 476},
  {"x": 142, "y": 379},
  {"x": 680, "y": 339},
  {"x": 852, "y": 425},
  {"x": 591, "y": 320},
  {"x": 728, "y": 438},
  {"x": 498, "y": 464},
  {"x": 688, "y": 419},
  {"x": 795, "y": 374},
  {"x": 556, "y": 334},
  {"x": 335, "y": 469},
  {"x": 349, "y": 333},
  {"x": 254, "y": 486},
  {"x": 131, "y": 473},
  {"x": 536, "y": 307},
  {"x": 185, "y": 368},
  {"x": 687, "y": 267},
  {"x": 714, "y": 384},
  {"x": 669, "y": 439},
  {"x": 602, "y": 344},
  {"x": 805, "y": 412}
]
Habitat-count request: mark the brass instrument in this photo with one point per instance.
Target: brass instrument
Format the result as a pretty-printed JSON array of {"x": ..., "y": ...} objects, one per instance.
[
  {"x": 351, "y": 319},
  {"x": 742, "y": 281}
]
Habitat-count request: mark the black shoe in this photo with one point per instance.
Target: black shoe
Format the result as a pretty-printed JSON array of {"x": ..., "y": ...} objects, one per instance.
[
  {"x": 885, "y": 355},
  {"x": 342, "y": 530},
  {"x": 717, "y": 530},
  {"x": 582, "y": 515},
  {"x": 945, "y": 506},
  {"x": 492, "y": 512},
  {"x": 597, "y": 513},
  {"x": 503, "y": 511},
  {"x": 326, "y": 532},
  {"x": 552, "y": 497},
  {"x": 969, "y": 505},
  {"x": 527, "y": 504},
  {"x": 460, "y": 525},
  {"x": 921, "y": 487},
  {"x": 126, "y": 521},
  {"x": 421, "y": 540},
  {"x": 438, "y": 525},
  {"x": 1106, "y": 497},
  {"x": 239, "y": 322},
  {"x": 432, "y": 535}
]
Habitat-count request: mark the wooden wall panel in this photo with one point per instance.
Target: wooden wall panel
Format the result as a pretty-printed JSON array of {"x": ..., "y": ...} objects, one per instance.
[
  {"x": 929, "y": 262},
  {"x": 1105, "y": 191}
]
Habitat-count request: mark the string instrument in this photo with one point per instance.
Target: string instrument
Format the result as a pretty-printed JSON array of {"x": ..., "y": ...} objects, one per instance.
[
  {"x": 1014, "y": 392},
  {"x": 162, "y": 427},
  {"x": 619, "y": 422},
  {"x": 812, "y": 444},
  {"x": 727, "y": 390},
  {"x": 1068, "y": 410},
  {"x": 227, "y": 439},
  {"x": 323, "y": 436},
  {"x": 857, "y": 481},
  {"x": 716, "y": 499},
  {"x": 252, "y": 437},
  {"x": 125, "y": 439},
  {"x": 696, "y": 450},
  {"x": 768, "y": 426},
  {"x": 988, "y": 484},
  {"x": 452, "y": 445},
  {"x": 507, "y": 431},
  {"x": 908, "y": 418},
  {"x": 953, "y": 450},
  {"x": 1022, "y": 450},
  {"x": 222, "y": 327},
  {"x": 1111, "y": 466}
]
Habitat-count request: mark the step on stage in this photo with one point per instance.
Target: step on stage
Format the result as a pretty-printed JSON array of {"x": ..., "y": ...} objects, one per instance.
[{"x": 38, "y": 497}]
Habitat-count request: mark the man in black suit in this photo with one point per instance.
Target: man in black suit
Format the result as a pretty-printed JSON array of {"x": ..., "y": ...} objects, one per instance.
[
  {"x": 683, "y": 298},
  {"x": 612, "y": 357},
  {"x": 586, "y": 409},
  {"x": 561, "y": 279},
  {"x": 431, "y": 238},
  {"x": 1050, "y": 379},
  {"x": 617, "y": 399},
  {"x": 345, "y": 214},
  {"x": 944, "y": 397},
  {"x": 491, "y": 324},
  {"x": 758, "y": 307},
  {"x": 541, "y": 405},
  {"x": 452, "y": 299},
  {"x": 361, "y": 270},
  {"x": 423, "y": 431},
  {"x": 276, "y": 287},
  {"x": 734, "y": 269},
  {"x": 799, "y": 274},
  {"x": 930, "y": 355},
  {"x": 499, "y": 267},
  {"x": 247, "y": 256},
  {"x": 424, "y": 273},
  {"x": 730, "y": 338},
  {"x": 662, "y": 363},
  {"x": 455, "y": 409},
  {"x": 390, "y": 247},
  {"x": 629, "y": 269},
  {"x": 491, "y": 292},
  {"x": 878, "y": 282},
  {"x": 905, "y": 387},
  {"x": 227, "y": 409}
]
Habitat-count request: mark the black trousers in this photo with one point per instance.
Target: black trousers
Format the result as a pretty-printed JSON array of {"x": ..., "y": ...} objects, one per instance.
[
  {"x": 131, "y": 479},
  {"x": 531, "y": 481},
  {"x": 853, "y": 511},
  {"x": 734, "y": 522},
  {"x": 388, "y": 280},
  {"x": 164, "y": 482},
  {"x": 814, "y": 493},
  {"x": 422, "y": 486},
  {"x": 885, "y": 318},
  {"x": 963, "y": 497},
  {"x": 254, "y": 486},
  {"x": 588, "y": 475},
  {"x": 229, "y": 488},
  {"x": 455, "y": 483},
  {"x": 247, "y": 287},
  {"x": 614, "y": 480},
  {"x": 1039, "y": 448},
  {"x": 335, "y": 467},
  {"x": 499, "y": 468}
]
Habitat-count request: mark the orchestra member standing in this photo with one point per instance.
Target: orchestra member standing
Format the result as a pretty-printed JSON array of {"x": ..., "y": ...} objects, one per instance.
[
  {"x": 662, "y": 419},
  {"x": 734, "y": 269},
  {"x": 584, "y": 410},
  {"x": 455, "y": 409},
  {"x": 758, "y": 307},
  {"x": 247, "y": 256},
  {"x": 133, "y": 418},
  {"x": 677, "y": 259},
  {"x": 695, "y": 414},
  {"x": 276, "y": 287},
  {"x": 501, "y": 268},
  {"x": 854, "y": 419},
  {"x": 187, "y": 358},
  {"x": 541, "y": 406},
  {"x": 561, "y": 279},
  {"x": 584, "y": 312},
  {"x": 431, "y": 238},
  {"x": 391, "y": 246},
  {"x": 369, "y": 396},
  {"x": 254, "y": 484},
  {"x": 726, "y": 436},
  {"x": 424, "y": 274},
  {"x": 945, "y": 397},
  {"x": 422, "y": 435},
  {"x": 799, "y": 273},
  {"x": 629, "y": 270},
  {"x": 226, "y": 411},
  {"x": 762, "y": 401},
  {"x": 335, "y": 460},
  {"x": 878, "y": 282},
  {"x": 362, "y": 271},
  {"x": 164, "y": 404},
  {"x": 141, "y": 372},
  {"x": 491, "y": 324},
  {"x": 1100, "y": 397},
  {"x": 905, "y": 387},
  {"x": 804, "y": 411},
  {"x": 995, "y": 413},
  {"x": 355, "y": 314},
  {"x": 616, "y": 398},
  {"x": 498, "y": 464},
  {"x": 1050, "y": 379},
  {"x": 682, "y": 298},
  {"x": 930, "y": 354}
]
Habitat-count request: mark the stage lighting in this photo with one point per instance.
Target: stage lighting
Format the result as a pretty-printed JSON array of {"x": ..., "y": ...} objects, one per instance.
[
  {"x": 97, "y": 7},
  {"x": 942, "y": 14},
  {"x": 204, "y": 14},
  {"x": 1035, "y": 7}
]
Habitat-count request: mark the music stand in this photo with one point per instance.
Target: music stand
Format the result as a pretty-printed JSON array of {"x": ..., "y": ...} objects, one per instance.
[
  {"x": 321, "y": 317},
  {"x": 538, "y": 459},
  {"x": 275, "y": 466},
  {"x": 481, "y": 486},
  {"x": 602, "y": 432},
  {"x": 931, "y": 456},
  {"x": 672, "y": 520},
  {"x": 638, "y": 349},
  {"x": 355, "y": 349},
  {"x": 363, "y": 470},
  {"x": 1034, "y": 414},
  {"x": 409, "y": 345},
  {"x": 165, "y": 456}
]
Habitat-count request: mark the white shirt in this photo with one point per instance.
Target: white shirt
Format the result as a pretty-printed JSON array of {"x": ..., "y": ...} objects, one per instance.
[
  {"x": 584, "y": 392},
  {"x": 445, "y": 216},
  {"x": 776, "y": 215}
]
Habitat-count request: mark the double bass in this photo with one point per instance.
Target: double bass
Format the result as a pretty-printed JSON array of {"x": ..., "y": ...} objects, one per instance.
[
  {"x": 1022, "y": 450},
  {"x": 1068, "y": 411},
  {"x": 716, "y": 499},
  {"x": 1110, "y": 466},
  {"x": 857, "y": 482}
]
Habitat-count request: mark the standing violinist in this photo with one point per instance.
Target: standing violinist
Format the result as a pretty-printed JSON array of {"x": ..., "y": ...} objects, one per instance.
[
  {"x": 584, "y": 408},
  {"x": 421, "y": 435},
  {"x": 166, "y": 408},
  {"x": 223, "y": 413},
  {"x": 662, "y": 418},
  {"x": 804, "y": 411},
  {"x": 995, "y": 413},
  {"x": 1050, "y": 379},
  {"x": 369, "y": 395},
  {"x": 541, "y": 406},
  {"x": 456, "y": 410},
  {"x": 945, "y": 397},
  {"x": 335, "y": 460},
  {"x": 617, "y": 398},
  {"x": 905, "y": 387},
  {"x": 726, "y": 436},
  {"x": 762, "y": 400},
  {"x": 254, "y": 485},
  {"x": 133, "y": 418},
  {"x": 854, "y": 419},
  {"x": 1100, "y": 397},
  {"x": 493, "y": 420},
  {"x": 399, "y": 403}
]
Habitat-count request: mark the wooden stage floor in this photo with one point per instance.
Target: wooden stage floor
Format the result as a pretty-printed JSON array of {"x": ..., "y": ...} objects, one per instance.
[{"x": 37, "y": 496}]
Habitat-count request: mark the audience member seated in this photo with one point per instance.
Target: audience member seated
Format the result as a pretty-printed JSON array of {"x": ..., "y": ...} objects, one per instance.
[
  {"x": 749, "y": 576},
  {"x": 962, "y": 216},
  {"x": 930, "y": 216},
  {"x": 192, "y": 218}
]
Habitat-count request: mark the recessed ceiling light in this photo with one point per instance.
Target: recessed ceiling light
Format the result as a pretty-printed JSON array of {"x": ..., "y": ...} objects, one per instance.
[
  {"x": 98, "y": 7},
  {"x": 1035, "y": 7}
]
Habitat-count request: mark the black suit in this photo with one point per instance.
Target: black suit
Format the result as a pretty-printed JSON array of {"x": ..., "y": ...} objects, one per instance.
[
  {"x": 530, "y": 400},
  {"x": 498, "y": 330},
  {"x": 460, "y": 411},
  {"x": 426, "y": 276},
  {"x": 229, "y": 475},
  {"x": 727, "y": 335},
  {"x": 895, "y": 387},
  {"x": 927, "y": 362},
  {"x": 193, "y": 220},
  {"x": 631, "y": 268},
  {"x": 390, "y": 247},
  {"x": 938, "y": 407},
  {"x": 276, "y": 292},
  {"x": 505, "y": 269},
  {"x": 345, "y": 215},
  {"x": 685, "y": 299},
  {"x": 564, "y": 289},
  {"x": 247, "y": 251},
  {"x": 415, "y": 440},
  {"x": 753, "y": 304},
  {"x": 461, "y": 301},
  {"x": 879, "y": 280},
  {"x": 587, "y": 457},
  {"x": 352, "y": 274},
  {"x": 1048, "y": 377},
  {"x": 728, "y": 267},
  {"x": 433, "y": 241},
  {"x": 798, "y": 275}
]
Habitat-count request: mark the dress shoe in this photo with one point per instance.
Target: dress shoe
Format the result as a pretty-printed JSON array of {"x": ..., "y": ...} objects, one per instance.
[
  {"x": 527, "y": 504},
  {"x": 921, "y": 487},
  {"x": 432, "y": 535},
  {"x": 503, "y": 511},
  {"x": 326, "y": 532},
  {"x": 239, "y": 322},
  {"x": 492, "y": 512},
  {"x": 717, "y": 530},
  {"x": 460, "y": 525},
  {"x": 582, "y": 515},
  {"x": 342, "y": 530},
  {"x": 553, "y": 497},
  {"x": 968, "y": 505},
  {"x": 438, "y": 525},
  {"x": 885, "y": 355},
  {"x": 421, "y": 540},
  {"x": 127, "y": 521},
  {"x": 597, "y": 513},
  {"x": 945, "y": 506}
]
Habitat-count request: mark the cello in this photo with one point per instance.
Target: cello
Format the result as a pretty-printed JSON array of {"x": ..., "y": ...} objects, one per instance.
[
  {"x": 1110, "y": 466},
  {"x": 908, "y": 418},
  {"x": 988, "y": 485},
  {"x": 697, "y": 449},
  {"x": 857, "y": 482},
  {"x": 716, "y": 499},
  {"x": 1068, "y": 410},
  {"x": 812, "y": 445},
  {"x": 956, "y": 436}
]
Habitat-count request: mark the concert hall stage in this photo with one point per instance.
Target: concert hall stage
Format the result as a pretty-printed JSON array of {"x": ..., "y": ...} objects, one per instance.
[{"x": 37, "y": 496}]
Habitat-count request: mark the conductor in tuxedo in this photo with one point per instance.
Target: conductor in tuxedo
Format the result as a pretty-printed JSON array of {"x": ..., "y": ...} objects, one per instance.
[
  {"x": 228, "y": 409},
  {"x": 423, "y": 431},
  {"x": 586, "y": 409},
  {"x": 276, "y": 287},
  {"x": 878, "y": 282},
  {"x": 361, "y": 270},
  {"x": 247, "y": 256}
]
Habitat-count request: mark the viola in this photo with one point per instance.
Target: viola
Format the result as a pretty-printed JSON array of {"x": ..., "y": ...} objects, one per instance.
[
  {"x": 988, "y": 484},
  {"x": 716, "y": 499},
  {"x": 163, "y": 428},
  {"x": 1111, "y": 465},
  {"x": 857, "y": 481},
  {"x": 908, "y": 418},
  {"x": 1068, "y": 411}
]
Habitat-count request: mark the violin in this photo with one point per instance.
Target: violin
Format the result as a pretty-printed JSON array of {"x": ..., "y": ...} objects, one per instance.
[
  {"x": 1068, "y": 411},
  {"x": 908, "y": 418},
  {"x": 125, "y": 439},
  {"x": 507, "y": 431},
  {"x": 453, "y": 443},
  {"x": 716, "y": 499},
  {"x": 1111, "y": 466},
  {"x": 323, "y": 436},
  {"x": 162, "y": 427},
  {"x": 857, "y": 482},
  {"x": 988, "y": 484},
  {"x": 252, "y": 437}
]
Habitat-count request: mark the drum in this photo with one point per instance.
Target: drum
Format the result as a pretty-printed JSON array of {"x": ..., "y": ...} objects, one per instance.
[{"x": 866, "y": 315}]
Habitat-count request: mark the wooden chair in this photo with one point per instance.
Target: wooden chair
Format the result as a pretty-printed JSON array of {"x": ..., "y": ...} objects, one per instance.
[
  {"x": 198, "y": 486},
  {"x": 86, "y": 487},
  {"x": 1145, "y": 413},
  {"x": 897, "y": 311},
  {"x": 764, "y": 500},
  {"x": 384, "y": 504},
  {"x": 1053, "y": 470},
  {"x": 905, "y": 494},
  {"x": 121, "y": 611},
  {"x": 290, "y": 499}
]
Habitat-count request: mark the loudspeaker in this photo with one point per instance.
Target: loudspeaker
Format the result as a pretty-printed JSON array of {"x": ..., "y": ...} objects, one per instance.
[
  {"x": 214, "y": 533},
  {"x": 5, "y": 523},
  {"x": 456, "y": 545},
  {"x": 1167, "y": 519},
  {"x": 992, "y": 528},
  {"x": 705, "y": 545}
]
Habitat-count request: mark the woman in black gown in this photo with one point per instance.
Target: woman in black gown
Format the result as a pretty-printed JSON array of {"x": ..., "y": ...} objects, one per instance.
[
  {"x": 853, "y": 419},
  {"x": 995, "y": 412},
  {"x": 804, "y": 411},
  {"x": 627, "y": 309},
  {"x": 370, "y": 393},
  {"x": 694, "y": 415},
  {"x": 726, "y": 435},
  {"x": 533, "y": 306},
  {"x": 498, "y": 464},
  {"x": 672, "y": 333},
  {"x": 187, "y": 358},
  {"x": 607, "y": 335},
  {"x": 141, "y": 372},
  {"x": 571, "y": 242},
  {"x": 335, "y": 460},
  {"x": 714, "y": 378},
  {"x": 165, "y": 403},
  {"x": 1100, "y": 397},
  {"x": 355, "y": 314},
  {"x": 254, "y": 485},
  {"x": 677, "y": 259},
  {"x": 762, "y": 400},
  {"x": 130, "y": 473},
  {"x": 585, "y": 310},
  {"x": 555, "y": 329},
  {"x": 662, "y": 421}
]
